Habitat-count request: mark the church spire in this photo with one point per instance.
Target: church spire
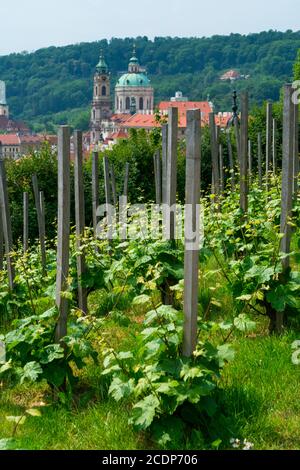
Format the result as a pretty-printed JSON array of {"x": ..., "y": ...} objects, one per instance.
[
  {"x": 102, "y": 65},
  {"x": 134, "y": 65}
]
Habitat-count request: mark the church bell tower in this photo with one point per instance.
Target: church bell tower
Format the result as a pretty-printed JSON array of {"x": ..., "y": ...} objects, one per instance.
[
  {"x": 4, "y": 110},
  {"x": 102, "y": 104}
]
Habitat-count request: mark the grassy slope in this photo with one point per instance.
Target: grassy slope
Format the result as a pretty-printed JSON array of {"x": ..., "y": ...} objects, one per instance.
[
  {"x": 260, "y": 393},
  {"x": 261, "y": 402}
]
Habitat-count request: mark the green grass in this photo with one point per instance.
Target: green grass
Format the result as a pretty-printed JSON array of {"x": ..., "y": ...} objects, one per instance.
[
  {"x": 262, "y": 393},
  {"x": 260, "y": 402},
  {"x": 95, "y": 426},
  {"x": 259, "y": 397}
]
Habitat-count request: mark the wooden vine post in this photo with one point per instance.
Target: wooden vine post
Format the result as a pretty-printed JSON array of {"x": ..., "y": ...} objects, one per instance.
[
  {"x": 95, "y": 189},
  {"x": 41, "y": 224},
  {"x": 221, "y": 158},
  {"x": 214, "y": 156},
  {"x": 250, "y": 161},
  {"x": 269, "y": 119},
  {"x": 231, "y": 163},
  {"x": 80, "y": 220},
  {"x": 296, "y": 149},
  {"x": 43, "y": 213},
  {"x": 113, "y": 185},
  {"x": 287, "y": 182},
  {"x": 158, "y": 178},
  {"x": 63, "y": 231},
  {"x": 191, "y": 259},
  {"x": 259, "y": 160},
  {"x": 25, "y": 221},
  {"x": 274, "y": 147},
  {"x": 6, "y": 223},
  {"x": 164, "y": 155},
  {"x": 171, "y": 187},
  {"x": 287, "y": 172},
  {"x": 244, "y": 153},
  {"x": 126, "y": 179}
]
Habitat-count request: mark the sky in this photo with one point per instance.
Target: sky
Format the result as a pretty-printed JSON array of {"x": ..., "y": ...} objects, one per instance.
[{"x": 28, "y": 25}]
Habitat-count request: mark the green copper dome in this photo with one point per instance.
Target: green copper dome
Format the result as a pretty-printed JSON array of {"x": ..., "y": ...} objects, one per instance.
[
  {"x": 134, "y": 80},
  {"x": 134, "y": 60}
]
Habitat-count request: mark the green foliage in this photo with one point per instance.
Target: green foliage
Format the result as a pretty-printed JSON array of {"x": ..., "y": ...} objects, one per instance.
[
  {"x": 164, "y": 386},
  {"x": 32, "y": 355},
  {"x": 297, "y": 67},
  {"x": 247, "y": 250},
  {"x": 42, "y": 86}
]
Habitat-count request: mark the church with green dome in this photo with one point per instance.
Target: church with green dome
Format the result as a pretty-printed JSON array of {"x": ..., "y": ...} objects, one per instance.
[{"x": 133, "y": 94}]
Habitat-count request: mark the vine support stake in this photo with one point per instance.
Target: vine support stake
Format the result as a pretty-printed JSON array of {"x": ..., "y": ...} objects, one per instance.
[
  {"x": 25, "y": 221},
  {"x": 80, "y": 220},
  {"x": 221, "y": 158},
  {"x": 259, "y": 160},
  {"x": 113, "y": 185},
  {"x": 41, "y": 225},
  {"x": 214, "y": 156},
  {"x": 250, "y": 161},
  {"x": 296, "y": 149},
  {"x": 63, "y": 229},
  {"x": 164, "y": 155},
  {"x": 269, "y": 119},
  {"x": 126, "y": 179},
  {"x": 171, "y": 188},
  {"x": 244, "y": 153},
  {"x": 287, "y": 183},
  {"x": 231, "y": 164},
  {"x": 157, "y": 175},
  {"x": 192, "y": 230},
  {"x": 274, "y": 147},
  {"x": 6, "y": 223},
  {"x": 95, "y": 188}
]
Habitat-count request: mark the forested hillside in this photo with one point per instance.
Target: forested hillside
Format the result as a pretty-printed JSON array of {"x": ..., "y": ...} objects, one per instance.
[{"x": 54, "y": 85}]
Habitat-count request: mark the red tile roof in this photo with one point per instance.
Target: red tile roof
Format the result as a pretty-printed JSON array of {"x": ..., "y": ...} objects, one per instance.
[
  {"x": 10, "y": 139},
  {"x": 9, "y": 125},
  {"x": 31, "y": 139},
  {"x": 183, "y": 106},
  {"x": 231, "y": 74},
  {"x": 143, "y": 121},
  {"x": 120, "y": 118},
  {"x": 118, "y": 135}
]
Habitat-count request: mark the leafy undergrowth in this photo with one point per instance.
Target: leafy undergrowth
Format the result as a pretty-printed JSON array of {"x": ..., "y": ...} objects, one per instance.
[
  {"x": 123, "y": 382},
  {"x": 259, "y": 399}
]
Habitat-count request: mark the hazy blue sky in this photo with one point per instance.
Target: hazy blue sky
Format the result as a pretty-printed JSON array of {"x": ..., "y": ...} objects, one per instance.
[{"x": 32, "y": 24}]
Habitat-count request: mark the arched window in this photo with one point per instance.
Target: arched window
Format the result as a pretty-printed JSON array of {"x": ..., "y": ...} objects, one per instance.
[
  {"x": 141, "y": 104},
  {"x": 94, "y": 114},
  {"x": 103, "y": 91},
  {"x": 127, "y": 103},
  {"x": 96, "y": 91}
]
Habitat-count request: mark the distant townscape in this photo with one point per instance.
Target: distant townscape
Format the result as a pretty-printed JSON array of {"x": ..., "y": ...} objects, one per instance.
[{"x": 133, "y": 107}]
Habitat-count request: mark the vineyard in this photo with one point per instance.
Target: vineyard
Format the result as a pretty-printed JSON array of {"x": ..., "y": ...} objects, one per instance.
[{"x": 124, "y": 326}]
